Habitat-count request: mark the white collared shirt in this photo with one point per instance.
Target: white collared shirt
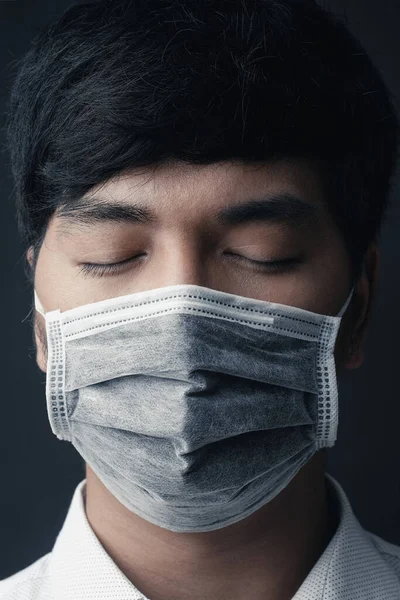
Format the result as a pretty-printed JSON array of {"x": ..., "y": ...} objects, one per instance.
[{"x": 356, "y": 565}]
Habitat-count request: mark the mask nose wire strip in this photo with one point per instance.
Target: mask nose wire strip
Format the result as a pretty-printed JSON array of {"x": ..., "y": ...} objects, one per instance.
[{"x": 191, "y": 308}]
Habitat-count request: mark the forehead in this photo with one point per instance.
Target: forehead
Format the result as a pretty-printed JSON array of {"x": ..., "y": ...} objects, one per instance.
[
  {"x": 194, "y": 183},
  {"x": 174, "y": 193}
]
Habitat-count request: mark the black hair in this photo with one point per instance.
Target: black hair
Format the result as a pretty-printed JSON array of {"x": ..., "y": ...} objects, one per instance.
[{"x": 117, "y": 84}]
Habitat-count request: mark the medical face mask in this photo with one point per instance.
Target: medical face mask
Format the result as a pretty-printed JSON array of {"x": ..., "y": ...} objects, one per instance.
[{"x": 194, "y": 407}]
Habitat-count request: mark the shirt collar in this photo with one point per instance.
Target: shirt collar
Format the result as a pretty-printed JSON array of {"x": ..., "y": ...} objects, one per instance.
[
  {"x": 348, "y": 567},
  {"x": 81, "y": 569}
]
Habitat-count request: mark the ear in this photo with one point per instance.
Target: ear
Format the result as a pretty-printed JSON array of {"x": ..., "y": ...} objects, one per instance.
[
  {"x": 29, "y": 256},
  {"x": 364, "y": 296}
]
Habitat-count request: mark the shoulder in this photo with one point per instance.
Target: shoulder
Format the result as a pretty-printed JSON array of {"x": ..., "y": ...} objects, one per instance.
[
  {"x": 390, "y": 553},
  {"x": 28, "y": 584}
]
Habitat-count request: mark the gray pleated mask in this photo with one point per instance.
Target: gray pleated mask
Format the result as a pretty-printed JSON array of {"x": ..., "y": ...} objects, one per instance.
[{"x": 194, "y": 407}]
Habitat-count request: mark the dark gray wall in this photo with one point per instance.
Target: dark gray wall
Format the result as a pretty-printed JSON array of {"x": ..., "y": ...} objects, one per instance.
[{"x": 39, "y": 473}]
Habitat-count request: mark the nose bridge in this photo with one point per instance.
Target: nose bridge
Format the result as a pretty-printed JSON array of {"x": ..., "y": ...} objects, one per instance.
[{"x": 183, "y": 259}]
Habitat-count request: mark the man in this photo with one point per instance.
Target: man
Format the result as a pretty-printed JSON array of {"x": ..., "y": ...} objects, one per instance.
[{"x": 200, "y": 187}]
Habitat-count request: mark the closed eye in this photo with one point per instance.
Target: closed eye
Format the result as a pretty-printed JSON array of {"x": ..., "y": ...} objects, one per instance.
[
  {"x": 272, "y": 266},
  {"x": 276, "y": 266}
]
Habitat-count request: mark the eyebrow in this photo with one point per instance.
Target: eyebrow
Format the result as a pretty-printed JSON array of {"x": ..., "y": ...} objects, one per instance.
[{"x": 282, "y": 208}]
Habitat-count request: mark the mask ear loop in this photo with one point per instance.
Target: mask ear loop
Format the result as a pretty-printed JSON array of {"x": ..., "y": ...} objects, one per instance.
[
  {"x": 349, "y": 299},
  {"x": 38, "y": 305}
]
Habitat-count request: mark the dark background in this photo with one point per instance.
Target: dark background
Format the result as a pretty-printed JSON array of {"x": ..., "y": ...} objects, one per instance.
[{"x": 39, "y": 473}]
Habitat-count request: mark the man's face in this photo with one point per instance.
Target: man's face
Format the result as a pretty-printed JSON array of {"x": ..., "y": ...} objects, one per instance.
[{"x": 185, "y": 242}]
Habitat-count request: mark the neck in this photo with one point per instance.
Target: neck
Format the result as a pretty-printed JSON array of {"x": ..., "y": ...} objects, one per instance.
[{"x": 265, "y": 556}]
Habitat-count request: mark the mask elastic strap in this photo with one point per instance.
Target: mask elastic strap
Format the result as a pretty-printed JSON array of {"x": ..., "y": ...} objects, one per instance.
[
  {"x": 345, "y": 307},
  {"x": 38, "y": 305}
]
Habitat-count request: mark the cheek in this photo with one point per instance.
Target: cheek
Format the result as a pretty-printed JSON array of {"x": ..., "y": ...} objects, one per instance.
[
  {"x": 331, "y": 268},
  {"x": 55, "y": 279}
]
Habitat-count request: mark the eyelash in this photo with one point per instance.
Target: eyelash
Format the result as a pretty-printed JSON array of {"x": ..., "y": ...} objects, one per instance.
[{"x": 277, "y": 266}]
